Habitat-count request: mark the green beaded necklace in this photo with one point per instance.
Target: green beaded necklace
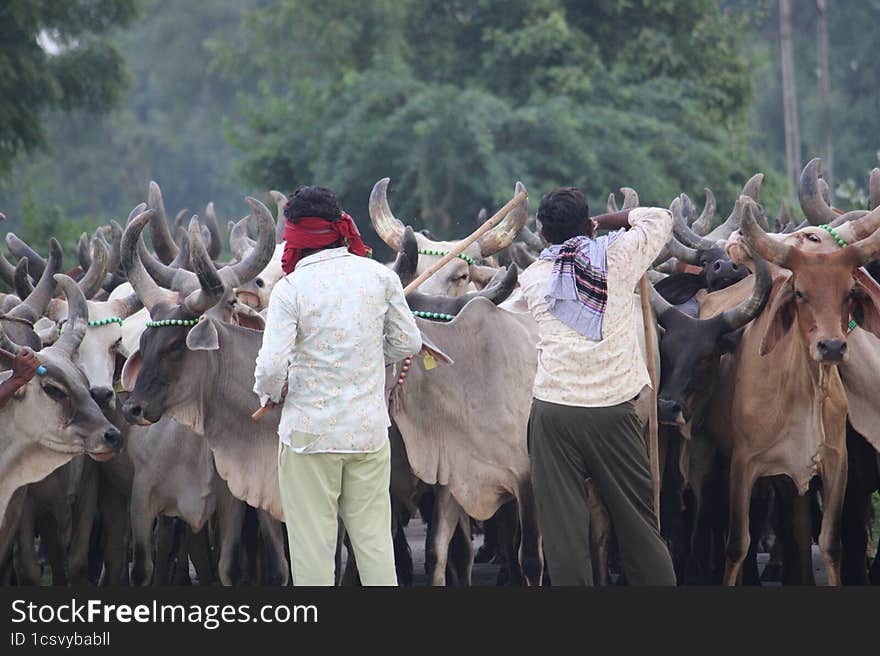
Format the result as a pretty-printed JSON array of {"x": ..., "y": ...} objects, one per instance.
[
  {"x": 842, "y": 243},
  {"x": 428, "y": 251},
  {"x": 101, "y": 322},
  {"x": 173, "y": 322},
  {"x": 433, "y": 315}
]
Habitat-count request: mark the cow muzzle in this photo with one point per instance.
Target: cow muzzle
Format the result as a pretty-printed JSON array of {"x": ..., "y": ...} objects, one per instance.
[
  {"x": 135, "y": 413},
  {"x": 671, "y": 413},
  {"x": 109, "y": 443},
  {"x": 831, "y": 350}
]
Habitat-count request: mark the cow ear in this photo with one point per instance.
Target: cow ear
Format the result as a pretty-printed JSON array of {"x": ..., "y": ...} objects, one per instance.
[
  {"x": 782, "y": 312},
  {"x": 865, "y": 304},
  {"x": 728, "y": 342},
  {"x": 481, "y": 275},
  {"x": 429, "y": 348},
  {"x": 131, "y": 369},
  {"x": 247, "y": 317},
  {"x": 203, "y": 336}
]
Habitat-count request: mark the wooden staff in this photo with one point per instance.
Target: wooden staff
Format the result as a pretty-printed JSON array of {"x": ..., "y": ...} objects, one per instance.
[
  {"x": 653, "y": 438},
  {"x": 460, "y": 247}
]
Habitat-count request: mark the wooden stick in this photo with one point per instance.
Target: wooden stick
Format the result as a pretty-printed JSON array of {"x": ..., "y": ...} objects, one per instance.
[
  {"x": 653, "y": 437},
  {"x": 256, "y": 416},
  {"x": 461, "y": 246}
]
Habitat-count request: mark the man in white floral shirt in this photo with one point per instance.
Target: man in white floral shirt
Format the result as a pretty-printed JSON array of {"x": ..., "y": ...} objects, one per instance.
[{"x": 332, "y": 324}]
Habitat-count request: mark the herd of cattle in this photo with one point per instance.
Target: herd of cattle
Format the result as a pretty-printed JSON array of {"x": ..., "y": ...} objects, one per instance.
[{"x": 769, "y": 354}]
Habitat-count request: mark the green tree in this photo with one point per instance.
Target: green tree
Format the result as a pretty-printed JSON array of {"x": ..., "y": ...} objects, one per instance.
[
  {"x": 55, "y": 55},
  {"x": 456, "y": 100}
]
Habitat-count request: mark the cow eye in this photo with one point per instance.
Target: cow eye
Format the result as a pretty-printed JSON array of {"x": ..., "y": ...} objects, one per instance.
[
  {"x": 53, "y": 392},
  {"x": 259, "y": 283},
  {"x": 798, "y": 295},
  {"x": 814, "y": 238}
]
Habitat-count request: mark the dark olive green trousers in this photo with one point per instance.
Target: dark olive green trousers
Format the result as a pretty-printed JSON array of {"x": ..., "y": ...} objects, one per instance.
[{"x": 568, "y": 445}]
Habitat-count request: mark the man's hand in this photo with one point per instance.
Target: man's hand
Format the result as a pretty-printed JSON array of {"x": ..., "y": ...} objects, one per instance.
[
  {"x": 271, "y": 404},
  {"x": 24, "y": 367}
]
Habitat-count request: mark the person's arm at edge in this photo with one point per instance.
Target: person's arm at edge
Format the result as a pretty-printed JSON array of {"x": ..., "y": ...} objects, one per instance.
[
  {"x": 273, "y": 360},
  {"x": 402, "y": 336}
]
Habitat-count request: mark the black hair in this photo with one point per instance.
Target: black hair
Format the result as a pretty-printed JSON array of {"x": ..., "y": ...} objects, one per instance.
[
  {"x": 312, "y": 201},
  {"x": 564, "y": 214}
]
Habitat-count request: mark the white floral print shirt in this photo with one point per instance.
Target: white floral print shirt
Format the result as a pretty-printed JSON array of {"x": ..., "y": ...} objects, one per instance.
[{"x": 331, "y": 327}]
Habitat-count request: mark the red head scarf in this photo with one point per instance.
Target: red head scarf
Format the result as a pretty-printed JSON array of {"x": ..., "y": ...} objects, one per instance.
[{"x": 317, "y": 232}]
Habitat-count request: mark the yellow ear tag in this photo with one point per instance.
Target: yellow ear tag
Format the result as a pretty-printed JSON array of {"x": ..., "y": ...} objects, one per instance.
[{"x": 430, "y": 362}]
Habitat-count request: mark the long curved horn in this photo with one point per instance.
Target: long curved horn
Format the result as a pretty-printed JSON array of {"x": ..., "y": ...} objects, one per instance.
[
  {"x": 521, "y": 255},
  {"x": 163, "y": 274},
  {"x": 90, "y": 284},
  {"x": 862, "y": 225},
  {"x": 144, "y": 286},
  {"x": 868, "y": 249},
  {"x": 6, "y": 343},
  {"x": 784, "y": 217},
  {"x": 751, "y": 190},
  {"x": 19, "y": 249},
  {"x": 261, "y": 254},
  {"x": 659, "y": 304},
  {"x": 211, "y": 285},
  {"x": 531, "y": 239},
  {"x": 738, "y": 316},
  {"x": 703, "y": 223},
  {"x": 681, "y": 252},
  {"x": 160, "y": 234},
  {"x": 83, "y": 254},
  {"x": 280, "y": 221},
  {"x": 813, "y": 204},
  {"x": 503, "y": 234},
  {"x": 407, "y": 261},
  {"x": 874, "y": 190},
  {"x": 74, "y": 329},
  {"x": 757, "y": 239},
  {"x": 211, "y": 223},
  {"x": 7, "y": 270},
  {"x": 182, "y": 241},
  {"x": 386, "y": 225},
  {"x": 684, "y": 234},
  {"x": 114, "y": 264},
  {"x": 239, "y": 242},
  {"x": 630, "y": 198},
  {"x": 849, "y": 217},
  {"x": 22, "y": 283},
  {"x": 135, "y": 212},
  {"x": 611, "y": 204},
  {"x": 34, "y": 306}
]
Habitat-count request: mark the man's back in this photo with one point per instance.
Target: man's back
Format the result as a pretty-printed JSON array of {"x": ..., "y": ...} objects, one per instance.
[{"x": 347, "y": 315}]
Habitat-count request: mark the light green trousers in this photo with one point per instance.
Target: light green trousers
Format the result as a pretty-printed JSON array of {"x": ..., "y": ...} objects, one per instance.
[{"x": 318, "y": 487}]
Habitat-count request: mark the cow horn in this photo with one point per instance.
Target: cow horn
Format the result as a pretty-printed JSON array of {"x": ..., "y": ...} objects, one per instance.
[
  {"x": 407, "y": 261},
  {"x": 90, "y": 283},
  {"x": 784, "y": 218},
  {"x": 239, "y": 242},
  {"x": 531, "y": 239},
  {"x": 751, "y": 190},
  {"x": 22, "y": 282},
  {"x": 211, "y": 223},
  {"x": 261, "y": 254},
  {"x": 135, "y": 212},
  {"x": 386, "y": 225},
  {"x": 853, "y": 219},
  {"x": 34, "y": 306},
  {"x": 867, "y": 248},
  {"x": 7, "y": 270},
  {"x": 162, "y": 273},
  {"x": 684, "y": 234},
  {"x": 681, "y": 252},
  {"x": 659, "y": 304},
  {"x": 738, "y": 316},
  {"x": 115, "y": 262},
  {"x": 611, "y": 205},
  {"x": 662, "y": 258},
  {"x": 521, "y": 255},
  {"x": 813, "y": 204},
  {"x": 630, "y": 198},
  {"x": 74, "y": 329},
  {"x": 212, "y": 287},
  {"x": 7, "y": 344},
  {"x": 160, "y": 234},
  {"x": 83, "y": 255},
  {"x": 703, "y": 223},
  {"x": 19, "y": 249},
  {"x": 503, "y": 234},
  {"x": 144, "y": 286},
  {"x": 757, "y": 239},
  {"x": 874, "y": 189},
  {"x": 280, "y": 221},
  {"x": 179, "y": 221}
]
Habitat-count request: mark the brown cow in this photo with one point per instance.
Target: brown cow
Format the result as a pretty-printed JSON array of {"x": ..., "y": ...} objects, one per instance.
[{"x": 780, "y": 406}]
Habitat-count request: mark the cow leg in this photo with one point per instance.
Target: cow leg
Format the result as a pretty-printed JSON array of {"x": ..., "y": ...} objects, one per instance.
[
  {"x": 798, "y": 562},
  {"x": 24, "y": 558},
  {"x": 198, "y": 546},
  {"x": 231, "y": 514},
  {"x": 833, "y": 470},
  {"x": 461, "y": 551},
  {"x": 742, "y": 478},
  {"x": 860, "y": 484},
  {"x": 85, "y": 510},
  {"x": 165, "y": 547},
  {"x": 50, "y": 536},
  {"x": 274, "y": 568},
  {"x": 531, "y": 555},
  {"x": 403, "y": 563},
  {"x": 115, "y": 522},
  {"x": 600, "y": 534},
  {"x": 142, "y": 516},
  {"x": 446, "y": 516}
]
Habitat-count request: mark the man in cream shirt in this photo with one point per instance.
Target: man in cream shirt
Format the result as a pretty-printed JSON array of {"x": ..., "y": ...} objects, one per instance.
[
  {"x": 583, "y": 422},
  {"x": 332, "y": 324}
]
